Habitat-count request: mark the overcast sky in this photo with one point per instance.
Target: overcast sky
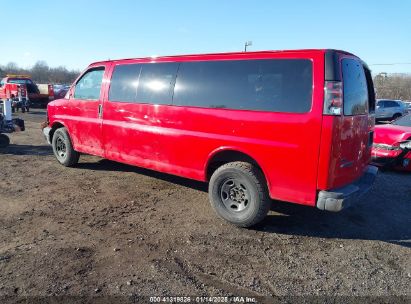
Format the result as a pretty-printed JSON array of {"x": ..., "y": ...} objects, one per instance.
[{"x": 75, "y": 33}]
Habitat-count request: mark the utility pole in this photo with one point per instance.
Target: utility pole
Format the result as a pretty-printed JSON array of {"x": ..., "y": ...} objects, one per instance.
[{"x": 247, "y": 43}]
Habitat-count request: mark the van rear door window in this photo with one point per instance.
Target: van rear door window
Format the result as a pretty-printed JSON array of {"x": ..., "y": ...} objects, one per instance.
[
  {"x": 280, "y": 85},
  {"x": 355, "y": 88}
]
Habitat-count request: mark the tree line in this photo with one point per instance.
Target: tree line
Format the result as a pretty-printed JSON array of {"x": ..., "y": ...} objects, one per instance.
[
  {"x": 393, "y": 86},
  {"x": 41, "y": 73}
]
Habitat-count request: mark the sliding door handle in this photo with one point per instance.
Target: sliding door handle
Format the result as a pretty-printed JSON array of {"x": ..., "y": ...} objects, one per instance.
[{"x": 100, "y": 110}]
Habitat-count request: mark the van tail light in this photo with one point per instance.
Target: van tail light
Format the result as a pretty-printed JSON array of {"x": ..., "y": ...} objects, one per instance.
[{"x": 333, "y": 98}]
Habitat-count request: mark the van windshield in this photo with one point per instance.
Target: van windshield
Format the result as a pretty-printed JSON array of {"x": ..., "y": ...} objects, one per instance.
[{"x": 355, "y": 88}]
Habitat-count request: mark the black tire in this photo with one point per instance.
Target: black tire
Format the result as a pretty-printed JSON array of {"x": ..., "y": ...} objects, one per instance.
[
  {"x": 4, "y": 141},
  {"x": 396, "y": 116},
  {"x": 63, "y": 148},
  {"x": 238, "y": 194}
]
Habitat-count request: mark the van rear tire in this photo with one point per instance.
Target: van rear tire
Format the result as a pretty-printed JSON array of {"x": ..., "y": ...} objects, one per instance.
[
  {"x": 63, "y": 148},
  {"x": 238, "y": 194}
]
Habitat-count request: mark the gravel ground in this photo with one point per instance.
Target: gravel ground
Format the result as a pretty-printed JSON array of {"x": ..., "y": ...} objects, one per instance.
[{"x": 108, "y": 229}]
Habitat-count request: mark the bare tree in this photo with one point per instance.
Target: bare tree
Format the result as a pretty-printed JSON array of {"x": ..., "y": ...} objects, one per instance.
[
  {"x": 42, "y": 73},
  {"x": 12, "y": 68},
  {"x": 394, "y": 86}
]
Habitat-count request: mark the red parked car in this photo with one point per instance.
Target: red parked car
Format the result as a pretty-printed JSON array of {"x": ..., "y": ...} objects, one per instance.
[
  {"x": 17, "y": 89},
  {"x": 30, "y": 91},
  {"x": 295, "y": 126},
  {"x": 60, "y": 92},
  {"x": 392, "y": 144}
]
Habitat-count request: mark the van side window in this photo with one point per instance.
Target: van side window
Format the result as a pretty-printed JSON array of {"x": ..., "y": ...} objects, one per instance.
[
  {"x": 355, "y": 88},
  {"x": 89, "y": 85},
  {"x": 281, "y": 85},
  {"x": 156, "y": 83},
  {"x": 124, "y": 83}
]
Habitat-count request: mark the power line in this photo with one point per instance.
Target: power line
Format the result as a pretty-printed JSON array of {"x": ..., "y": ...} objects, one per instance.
[{"x": 395, "y": 63}]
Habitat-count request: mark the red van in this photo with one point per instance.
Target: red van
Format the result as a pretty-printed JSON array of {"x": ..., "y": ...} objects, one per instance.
[{"x": 294, "y": 126}]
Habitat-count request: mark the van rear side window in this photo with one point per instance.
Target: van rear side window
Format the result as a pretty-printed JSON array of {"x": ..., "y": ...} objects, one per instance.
[
  {"x": 282, "y": 85},
  {"x": 355, "y": 88},
  {"x": 156, "y": 83}
]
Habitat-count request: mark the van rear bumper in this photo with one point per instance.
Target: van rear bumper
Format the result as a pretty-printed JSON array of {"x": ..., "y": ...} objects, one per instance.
[{"x": 340, "y": 198}]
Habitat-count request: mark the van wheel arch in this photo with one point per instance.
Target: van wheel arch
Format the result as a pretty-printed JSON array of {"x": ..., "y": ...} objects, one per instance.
[
  {"x": 227, "y": 156},
  {"x": 54, "y": 127}
]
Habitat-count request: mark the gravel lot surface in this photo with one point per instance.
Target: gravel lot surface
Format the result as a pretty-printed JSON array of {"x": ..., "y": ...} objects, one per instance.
[{"x": 104, "y": 228}]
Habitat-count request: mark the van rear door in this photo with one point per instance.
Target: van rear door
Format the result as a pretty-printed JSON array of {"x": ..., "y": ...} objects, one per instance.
[{"x": 349, "y": 104}]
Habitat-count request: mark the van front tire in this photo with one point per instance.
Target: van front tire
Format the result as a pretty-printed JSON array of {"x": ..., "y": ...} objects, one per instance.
[
  {"x": 63, "y": 148},
  {"x": 238, "y": 194}
]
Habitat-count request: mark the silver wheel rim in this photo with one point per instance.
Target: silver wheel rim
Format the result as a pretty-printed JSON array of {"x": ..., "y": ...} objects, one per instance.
[
  {"x": 61, "y": 148},
  {"x": 234, "y": 194}
]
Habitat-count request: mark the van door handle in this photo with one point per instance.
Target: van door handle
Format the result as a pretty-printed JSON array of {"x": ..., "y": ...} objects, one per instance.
[
  {"x": 346, "y": 164},
  {"x": 100, "y": 110}
]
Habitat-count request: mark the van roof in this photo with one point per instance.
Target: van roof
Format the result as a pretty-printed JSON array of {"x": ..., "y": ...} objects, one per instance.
[{"x": 160, "y": 58}]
